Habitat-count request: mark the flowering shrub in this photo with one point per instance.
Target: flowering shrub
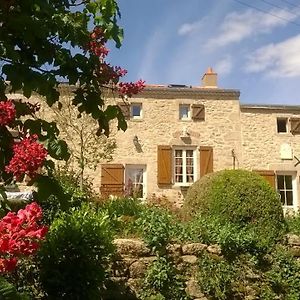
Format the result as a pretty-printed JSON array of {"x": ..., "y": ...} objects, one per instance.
[
  {"x": 131, "y": 88},
  {"x": 28, "y": 157},
  {"x": 7, "y": 112},
  {"x": 20, "y": 234}
]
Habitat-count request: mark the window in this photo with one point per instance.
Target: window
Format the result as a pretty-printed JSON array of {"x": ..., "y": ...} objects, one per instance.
[
  {"x": 135, "y": 181},
  {"x": 136, "y": 110},
  {"x": 286, "y": 186},
  {"x": 184, "y": 112},
  {"x": 281, "y": 125},
  {"x": 184, "y": 166}
]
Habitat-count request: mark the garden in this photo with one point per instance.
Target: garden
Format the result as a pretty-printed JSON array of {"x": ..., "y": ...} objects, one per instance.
[{"x": 230, "y": 238}]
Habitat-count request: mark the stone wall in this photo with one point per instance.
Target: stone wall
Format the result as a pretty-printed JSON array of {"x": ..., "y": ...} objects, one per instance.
[{"x": 134, "y": 257}]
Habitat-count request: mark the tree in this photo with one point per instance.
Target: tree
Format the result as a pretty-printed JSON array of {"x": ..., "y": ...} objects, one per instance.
[
  {"x": 87, "y": 149},
  {"x": 44, "y": 42}
]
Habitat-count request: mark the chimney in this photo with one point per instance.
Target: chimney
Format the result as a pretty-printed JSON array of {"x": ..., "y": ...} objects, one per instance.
[{"x": 209, "y": 79}]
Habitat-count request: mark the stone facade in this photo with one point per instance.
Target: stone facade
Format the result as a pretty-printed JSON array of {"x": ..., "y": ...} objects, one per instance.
[
  {"x": 241, "y": 136},
  {"x": 162, "y": 124}
]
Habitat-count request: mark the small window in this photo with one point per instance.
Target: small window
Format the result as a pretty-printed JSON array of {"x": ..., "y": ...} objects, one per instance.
[
  {"x": 184, "y": 112},
  {"x": 281, "y": 125},
  {"x": 286, "y": 188},
  {"x": 136, "y": 110},
  {"x": 184, "y": 166}
]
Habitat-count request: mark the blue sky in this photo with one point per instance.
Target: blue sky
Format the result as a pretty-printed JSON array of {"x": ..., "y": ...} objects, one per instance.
[{"x": 175, "y": 41}]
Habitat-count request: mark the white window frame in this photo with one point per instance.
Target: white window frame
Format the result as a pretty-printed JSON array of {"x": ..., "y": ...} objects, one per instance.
[
  {"x": 137, "y": 117},
  {"x": 184, "y": 166},
  {"x": 133, "y": 167},
  {"x": 294, "y": 188},
  {"x": 182, "y": 116},
  {"x": 286, "y": 125}
]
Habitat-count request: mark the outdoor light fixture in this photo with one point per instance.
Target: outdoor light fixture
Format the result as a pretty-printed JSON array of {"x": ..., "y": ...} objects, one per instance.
[{"x": 135, "y": 140}]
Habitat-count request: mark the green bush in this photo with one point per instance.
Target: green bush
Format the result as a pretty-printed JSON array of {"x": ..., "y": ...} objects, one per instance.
[
  {"x": 123, "y": 213},
  {"x": 241, "y": 198},
  {"x": 162, "y": 281},
  {"x": 75, "y": 255},
  {"x": 61, "y": 192},
  {"x": 157, "y": 227},
  {"x": 293, "y": 223}
]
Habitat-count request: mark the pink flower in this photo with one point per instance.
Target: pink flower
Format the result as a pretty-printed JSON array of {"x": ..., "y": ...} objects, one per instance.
[
  {"x": 7, "y": 112},
  {"x": 131, "y": 88},
  {"x": 28, "y": 157}
]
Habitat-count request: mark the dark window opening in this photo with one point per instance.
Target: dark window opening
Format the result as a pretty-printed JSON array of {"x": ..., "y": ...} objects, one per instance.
[{"x": 281, "y": 125}]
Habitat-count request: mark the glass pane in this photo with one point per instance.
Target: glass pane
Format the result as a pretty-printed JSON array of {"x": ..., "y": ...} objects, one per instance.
[
  {"x": 178, "y": 153},
  {"x": 281, "y": 125},
  {"x": 189, "y": 161},
  {"x": 189, "y": 153},
  {"x": 138, "y": 191},
  {"x": 280, "y": 182},
  {"x": 190, "y": 178},
  {"x": 178, "y": 178},
  {"x": 183, "y": 111},
  {"x": 282, "y": 197},
  {"x": 289, "y": 198},
  {"x": 136, "y": 110},
  {"x": 288, "y": 182}
]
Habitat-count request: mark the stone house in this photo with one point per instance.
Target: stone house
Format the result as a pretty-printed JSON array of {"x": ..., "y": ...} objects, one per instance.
[{"x": 176, "y": 134}]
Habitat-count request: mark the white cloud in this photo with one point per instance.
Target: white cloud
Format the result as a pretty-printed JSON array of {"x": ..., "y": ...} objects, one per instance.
[
  {"x": 238, "y": 26},
  {"x": 190, "y": 28},
  {"x": 224, "y": 66},
  {"x": 277, "y": 60}
]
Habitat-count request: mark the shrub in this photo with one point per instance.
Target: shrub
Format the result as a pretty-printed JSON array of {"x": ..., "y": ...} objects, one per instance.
[
  {"x": 239, "y": 197},
  {"x": 75, "y": 255},
  {"x": 162, "y": 281},
  {"x": 157, "y": 227},
  {"x": 123, "y": 213},
  {"x": 62, "y": 192},
  {"x": 293, "y": 223}
]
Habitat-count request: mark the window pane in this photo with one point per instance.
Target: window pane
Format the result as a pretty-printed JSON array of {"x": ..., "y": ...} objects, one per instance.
[
  {"x": 184, "y": 111},
  {"x": 289, "y": 198},
  {"x": 178, "y": 153},
  {"x": 280, "y": 182},
  {"x": 288, "y": 182},
  {"x": 189, "y": 153},
  {"x": 281, "y": 125},
  {"x": 136, "y": 110},
  {"x": 178, "y": 178},
  {"x": 282, "y": 197}
]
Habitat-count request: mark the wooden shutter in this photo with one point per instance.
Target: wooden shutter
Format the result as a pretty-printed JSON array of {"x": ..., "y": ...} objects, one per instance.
[
  {"x": 125, "y": 108},
  {"x": 164, "y": 165},
  {"x": 295, "y": 125},
  {"x": 198, "y": 112},
  {"x": 268, "y": 175},
  {"x": 206, "y": 160},
  {"x": 112, "y": 180}
]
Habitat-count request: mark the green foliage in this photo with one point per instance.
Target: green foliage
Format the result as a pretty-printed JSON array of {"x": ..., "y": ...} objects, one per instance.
[
  {"x": 9, "y": 292},
  {"x": 26, "y": 277},
  {"x": 75, "y": 255},
  {"x": 34, "y": 60},
  {"x": 163, "y": 282},
  {"x": 61, "y": 192},
  {"x": 123, "y": 213},
  {"x": 293, "y": 223},
  {"x": 241, "y": 198},
  {"x": 157, "y": 228},
  {"x": 215, "y": 277},
  {"x": 284, "y": 275}
]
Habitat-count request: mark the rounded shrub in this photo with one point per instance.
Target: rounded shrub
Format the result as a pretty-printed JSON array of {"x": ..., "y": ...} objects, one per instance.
[
  {"x": 239, "y": 197},
  {"x": 75, "y": 256}
]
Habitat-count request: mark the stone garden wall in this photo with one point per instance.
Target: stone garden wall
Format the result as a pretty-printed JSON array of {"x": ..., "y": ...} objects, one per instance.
[{"x": 133, "y": 258}]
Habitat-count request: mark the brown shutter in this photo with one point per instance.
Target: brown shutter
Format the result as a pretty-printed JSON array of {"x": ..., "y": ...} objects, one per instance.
[
  {"x": 198, "y": 112},
  {"x": 206, "y": 160},
  {"x": 125, "y": 108},
  {"x": 164, "y": 165},
  {"x": 112, "y": 180},
  {"x": 295, "y": 125},
  {"x": 268, "y": 175}
]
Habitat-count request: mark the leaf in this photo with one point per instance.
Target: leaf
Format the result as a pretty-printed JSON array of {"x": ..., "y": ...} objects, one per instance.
[
  {"x": 9, "y": 292},
  {"x": 58, "y": 149}
]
